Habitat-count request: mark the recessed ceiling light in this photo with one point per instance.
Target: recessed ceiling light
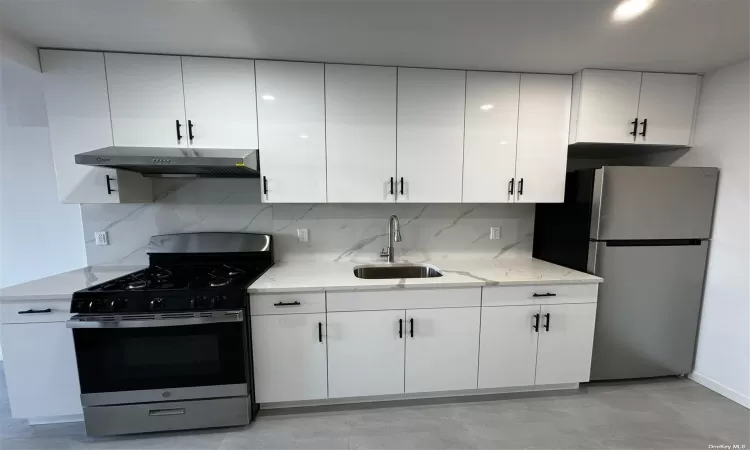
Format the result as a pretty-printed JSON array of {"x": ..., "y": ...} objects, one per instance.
[
  {"x": 630, "y": 9},
  {"x": 268, "y": 97},
  {"x": 303, "y": 136},
  {"x": 486, "y": 107}
]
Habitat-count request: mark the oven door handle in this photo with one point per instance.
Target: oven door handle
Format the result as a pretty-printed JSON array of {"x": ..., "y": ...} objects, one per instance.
[{"x": 93, "y": 322}]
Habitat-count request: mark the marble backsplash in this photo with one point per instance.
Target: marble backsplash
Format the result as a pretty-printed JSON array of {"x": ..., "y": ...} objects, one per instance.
[{"x": 337, "y": 232}]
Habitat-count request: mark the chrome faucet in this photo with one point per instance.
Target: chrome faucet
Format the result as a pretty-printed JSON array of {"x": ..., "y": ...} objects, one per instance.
[{"x": 394, "y": 235}]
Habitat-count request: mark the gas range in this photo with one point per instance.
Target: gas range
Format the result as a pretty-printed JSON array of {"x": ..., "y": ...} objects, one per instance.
[{"x": 168, "y": 347}]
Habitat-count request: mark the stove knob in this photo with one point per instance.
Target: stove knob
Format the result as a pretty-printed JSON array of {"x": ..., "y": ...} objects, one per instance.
[
  {"x": 215, "y": 302},
  {"x": 193, "y": 302},
  {"x": 157, "y": 303},
  {"x": 93, "y": 306}
]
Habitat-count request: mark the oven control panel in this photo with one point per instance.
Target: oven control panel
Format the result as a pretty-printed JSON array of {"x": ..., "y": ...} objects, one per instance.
[{"x": 149, "y": 303}]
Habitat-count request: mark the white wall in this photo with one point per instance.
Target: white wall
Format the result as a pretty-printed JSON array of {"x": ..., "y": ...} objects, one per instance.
[
  {"x": 39, "y": 236},
  {"x": 722, "y": 140}
]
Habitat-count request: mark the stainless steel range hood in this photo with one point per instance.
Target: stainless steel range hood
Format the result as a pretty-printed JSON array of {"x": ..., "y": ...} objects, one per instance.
[{"x": 175, "y": 162}]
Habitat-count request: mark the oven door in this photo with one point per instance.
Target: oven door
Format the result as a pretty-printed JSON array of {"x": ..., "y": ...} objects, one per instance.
[{"x": 161, "y": 357}]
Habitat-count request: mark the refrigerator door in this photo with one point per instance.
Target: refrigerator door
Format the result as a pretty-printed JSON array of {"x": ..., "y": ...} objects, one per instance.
[
  {"x": 653, "y": 202},
  {"x": 648, "y": 309}
]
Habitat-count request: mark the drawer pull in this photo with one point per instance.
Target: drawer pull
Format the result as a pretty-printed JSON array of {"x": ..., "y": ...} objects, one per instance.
[
  {"x": 35, "y": 311},
  {"x": 166, "y": 412},
  {"x": 295, "y": 303},
  {"x": 548, "y": 294}
]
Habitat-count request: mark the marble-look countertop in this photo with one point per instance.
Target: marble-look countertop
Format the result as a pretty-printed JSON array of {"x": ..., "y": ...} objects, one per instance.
[
  {"x": 62, "y": 286},
  {"x": 299, "y": 276}
]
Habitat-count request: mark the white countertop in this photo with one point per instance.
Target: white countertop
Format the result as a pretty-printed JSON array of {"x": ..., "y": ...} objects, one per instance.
[
  {"x": 298, "y": 276},
  {"x": 62, "y": 286}
]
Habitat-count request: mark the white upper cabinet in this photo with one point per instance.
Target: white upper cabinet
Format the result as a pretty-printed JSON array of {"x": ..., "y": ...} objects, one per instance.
[
  {"x": 620, "y": 107},
  {"x": 542, "y": 150},
  {"x": 220, "y": 102},
  {"x": 361, "y": 133},
  {"x": 146, "y": 100},
  {"x": 291, "y": 131},
  {"x": 666, "y": 108},
  {"x": 78, "y": 115},
  {"x": 490, "y": 141},
  {"x": 430, "y": 139},
  {"x": 605, "y": 105}
]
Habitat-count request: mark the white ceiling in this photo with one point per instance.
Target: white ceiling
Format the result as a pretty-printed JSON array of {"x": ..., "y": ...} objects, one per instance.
[{"x": 560, "y": 36}]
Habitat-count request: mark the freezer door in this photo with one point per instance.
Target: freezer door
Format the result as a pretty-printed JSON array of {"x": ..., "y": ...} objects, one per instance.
[
  {"x": 648, "y": 309},
  {"x": 653, "y": 202}
]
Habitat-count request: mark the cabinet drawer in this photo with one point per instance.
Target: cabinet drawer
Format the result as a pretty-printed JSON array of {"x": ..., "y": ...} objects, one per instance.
[
  {"x": 539, "y": 295},
  {"x": 292, "y": 303},
  {"x": 34, "y": 311},
  {"x": 404, "y": 299}
]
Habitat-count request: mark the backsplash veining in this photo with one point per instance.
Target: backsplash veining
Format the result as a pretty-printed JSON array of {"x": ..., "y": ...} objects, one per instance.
[{"x": 338, "y": 232}]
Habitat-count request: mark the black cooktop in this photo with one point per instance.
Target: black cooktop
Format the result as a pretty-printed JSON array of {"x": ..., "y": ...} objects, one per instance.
[{"x": 187, "y": 272}]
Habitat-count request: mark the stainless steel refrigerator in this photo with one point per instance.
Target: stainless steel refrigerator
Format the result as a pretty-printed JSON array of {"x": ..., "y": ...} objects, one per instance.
[{"x": 646, "y": 231}]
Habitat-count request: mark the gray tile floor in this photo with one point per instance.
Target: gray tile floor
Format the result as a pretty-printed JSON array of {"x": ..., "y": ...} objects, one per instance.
[{"x": 668, "y": 413}]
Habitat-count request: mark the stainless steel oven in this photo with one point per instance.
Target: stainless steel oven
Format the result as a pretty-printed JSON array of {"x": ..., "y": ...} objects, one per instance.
[{"x": 154, "y": 372}]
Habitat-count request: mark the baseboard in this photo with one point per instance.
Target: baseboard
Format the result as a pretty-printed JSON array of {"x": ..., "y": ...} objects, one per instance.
[
  {"x": 471, "y": 395},
  {"x": 55, "y": 419},
  {"x": 719, "y": 388}
]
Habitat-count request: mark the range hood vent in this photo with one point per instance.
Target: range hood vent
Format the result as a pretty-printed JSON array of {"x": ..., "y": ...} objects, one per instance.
[{"x": 176, "y": 162}]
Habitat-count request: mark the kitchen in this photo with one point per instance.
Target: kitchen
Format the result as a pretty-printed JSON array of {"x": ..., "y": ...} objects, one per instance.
[{"x": 294, "y": 216}]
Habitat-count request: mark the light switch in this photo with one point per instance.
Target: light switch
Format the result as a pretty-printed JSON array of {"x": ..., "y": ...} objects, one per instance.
[{"x": 494, "y": 233}]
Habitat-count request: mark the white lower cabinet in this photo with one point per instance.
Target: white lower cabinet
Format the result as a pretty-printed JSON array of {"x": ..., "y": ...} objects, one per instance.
[
  {"x": 365, "y": 353},
  {"x": 40, "y": 370},
  {"x": 566, "y": 338},
  {"x": 508, "y": 345},
  {"x": 442, "y": 349},
  {"x": 289, "y": 357}
]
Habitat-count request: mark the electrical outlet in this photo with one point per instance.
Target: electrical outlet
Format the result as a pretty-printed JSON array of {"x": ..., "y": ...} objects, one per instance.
[
  {"x": 302, "y": 234},
  {"x": 101, "y": 238},
  {"x": 494, "y": 233}
]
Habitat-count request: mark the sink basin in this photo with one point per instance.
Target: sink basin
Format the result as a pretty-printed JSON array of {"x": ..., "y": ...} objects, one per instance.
[{"x": 377, "y": 272}]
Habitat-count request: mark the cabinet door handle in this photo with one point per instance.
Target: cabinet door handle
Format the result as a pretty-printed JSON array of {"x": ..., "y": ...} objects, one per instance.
[
  {"x": 411, "y": 327},
  {"x": 635, "y": 127},
  {"x": 391, "y": 185},
  {"x": 178, "y": 126},
  {"x": 645, "y": 124},
  {"x": 511, "y": 183},
  {"x": 320, "y": 331},
  {"x": 520, "y": 187},
  {"x": 190, "y": 130},
  {"x": 109, "y": 185},
  {"x": 402, "y": 186},
  {"x": 546, "y": 325},
  {"x": 401, "y": 328},
  {"x": 536, "y": 323},
  {"x": 548, "y": 294},
  {"x": 35, "y": 311},
  {"x": 295, "y": 303},
  {"x": 265, "y": 185}
]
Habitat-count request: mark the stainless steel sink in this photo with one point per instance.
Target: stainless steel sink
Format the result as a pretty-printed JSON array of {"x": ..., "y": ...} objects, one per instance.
[{"x": 397, "y": 271}]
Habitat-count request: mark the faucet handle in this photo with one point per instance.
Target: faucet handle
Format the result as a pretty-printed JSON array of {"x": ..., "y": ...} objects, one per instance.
[{"x": 384, "y": 253}]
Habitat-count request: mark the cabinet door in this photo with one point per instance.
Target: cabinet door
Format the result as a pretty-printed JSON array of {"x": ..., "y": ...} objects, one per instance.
[
  {"x": 442, "y": 349},
  {"x": 542, "y": 154},
  {"x": 507, "y": 349},
  {"x": 361, "y": 133},
  {"x": 608, "y": 103},
  {"x": 146, "y": 100},
  {"x": 365, "y": 353},
  {"x": 490, "y": 141},
  {"x": 430, "y": 139},
  {"x": 291, "y": 131},
  {"x": 289, "y": 357},
  {"x": 668, "y": 104},
  {"x": 220, "y": 102},
  {"x": 566, "y": 337},
  {"x": 75, "y": 85},
  {"x": 40, "y": 370}
]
